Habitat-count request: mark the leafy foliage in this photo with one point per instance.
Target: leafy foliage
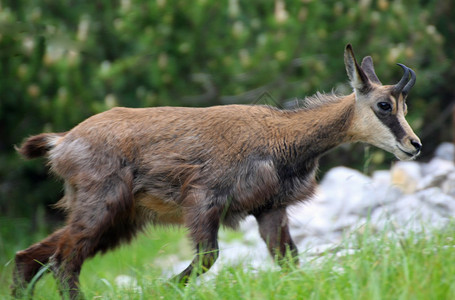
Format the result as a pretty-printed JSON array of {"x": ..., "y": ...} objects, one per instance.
[{"x": 62, "y": 61}]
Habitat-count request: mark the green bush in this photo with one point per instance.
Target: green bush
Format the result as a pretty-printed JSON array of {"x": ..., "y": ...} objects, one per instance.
[{"x": 63, "y": 61}]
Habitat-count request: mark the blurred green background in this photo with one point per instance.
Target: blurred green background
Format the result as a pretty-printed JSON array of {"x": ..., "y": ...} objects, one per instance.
[{"x": 63, "y": 61}]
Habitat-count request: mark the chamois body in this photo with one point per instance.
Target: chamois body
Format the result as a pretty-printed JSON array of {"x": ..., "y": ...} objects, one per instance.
[
  {"x": 199, "y": 167},
  {"x": 242, "y": 158}
]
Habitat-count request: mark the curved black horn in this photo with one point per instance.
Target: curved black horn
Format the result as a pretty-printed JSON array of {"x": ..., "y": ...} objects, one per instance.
[
  {"x": 400, "y": 85},
  {"x": 410, "y": 84}
]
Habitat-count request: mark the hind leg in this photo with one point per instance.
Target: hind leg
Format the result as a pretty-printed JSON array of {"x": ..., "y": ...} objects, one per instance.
[
  {"x": 29, "y": 261},
  {"x": 67, "y": 261},
  {"x": 79, "y": 245},
  {"x": 102, "y": 218}
]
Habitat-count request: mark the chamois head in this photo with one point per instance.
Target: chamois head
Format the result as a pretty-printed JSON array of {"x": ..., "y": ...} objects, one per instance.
[{"x": 380, "y": 110}]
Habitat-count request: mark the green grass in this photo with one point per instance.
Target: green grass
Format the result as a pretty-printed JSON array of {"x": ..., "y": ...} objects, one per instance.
[{"x": 420, "y": 266}]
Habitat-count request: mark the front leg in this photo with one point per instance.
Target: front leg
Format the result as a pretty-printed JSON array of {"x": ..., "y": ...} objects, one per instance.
[
  {"x": 274, "y": 230},
  {"x": 203, "y": 223}
]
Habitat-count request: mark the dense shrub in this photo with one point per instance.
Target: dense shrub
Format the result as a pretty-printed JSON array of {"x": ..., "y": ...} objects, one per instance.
[{"x": 62, "y": 61}]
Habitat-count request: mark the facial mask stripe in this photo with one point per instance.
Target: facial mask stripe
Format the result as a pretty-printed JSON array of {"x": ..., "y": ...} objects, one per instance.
[{"x": 394, "y": 125}]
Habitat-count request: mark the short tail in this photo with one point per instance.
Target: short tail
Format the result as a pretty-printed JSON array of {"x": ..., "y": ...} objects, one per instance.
[{"x": 38, "y": 145}]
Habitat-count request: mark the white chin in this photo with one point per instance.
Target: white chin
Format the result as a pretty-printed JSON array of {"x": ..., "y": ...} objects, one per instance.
[{"x": 403, "y": 156}]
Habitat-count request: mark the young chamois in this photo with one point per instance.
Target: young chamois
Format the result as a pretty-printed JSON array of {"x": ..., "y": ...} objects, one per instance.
[{"x": 203, "y": 168}]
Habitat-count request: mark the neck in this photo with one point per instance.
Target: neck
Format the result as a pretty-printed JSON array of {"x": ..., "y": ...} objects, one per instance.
[{"x": 311, "y": 132}]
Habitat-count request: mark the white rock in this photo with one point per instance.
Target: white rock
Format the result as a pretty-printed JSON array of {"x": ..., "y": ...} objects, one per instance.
[
  {"x": 448, "y": 186},
  {"x": 432, "y": 180},
  {"x": 406, "y": 175},
  {"x": 437, "y": 167},
  {"x": 415, "y": 212},
  {"x": 239, "y": 253},
  {"x": 342, "y": 190},
  {"x": 438, "y": 201},
  {"x": 250, "y": 229},
  {"x": 382, "y": 178},
  {"x": 445, "y": 151},
  {"x": 345, "y": 224},
  {"x": 128, "y": 283},
  {"x": 351, "y": 192},
  {"x": 309, "y": 218}
]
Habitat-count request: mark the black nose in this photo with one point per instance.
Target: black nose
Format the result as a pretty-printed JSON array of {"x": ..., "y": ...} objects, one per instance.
[{"x": 417, "y": 145}]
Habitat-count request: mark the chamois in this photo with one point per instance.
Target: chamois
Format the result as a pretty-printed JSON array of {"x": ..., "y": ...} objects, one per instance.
[{"x": 203, "y": 168}]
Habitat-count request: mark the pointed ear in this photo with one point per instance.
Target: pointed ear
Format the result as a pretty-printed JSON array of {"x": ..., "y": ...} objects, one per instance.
[
  {"x": 357, "y": 76},
  {"x": 368, "y": 68}
]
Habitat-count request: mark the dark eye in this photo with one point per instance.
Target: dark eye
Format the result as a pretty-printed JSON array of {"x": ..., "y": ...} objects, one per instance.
[{"x": 385, "y": 106}]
